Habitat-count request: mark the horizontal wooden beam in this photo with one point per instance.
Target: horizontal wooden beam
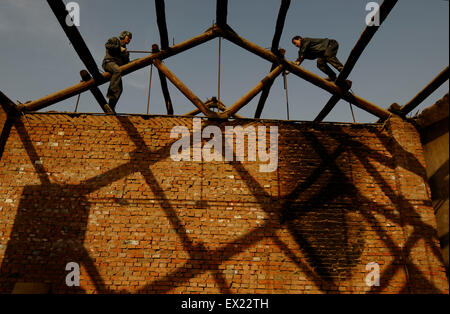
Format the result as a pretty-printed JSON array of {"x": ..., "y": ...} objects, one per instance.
[
  {"x": 368, "y": 33},
  {"x": 306, "y": 75},
  {"x": 254, "y": 91},
  {"x": 427, "y": 91},
  {"x": 183, "y": 88},
  {"x": 126, "y": 69}
]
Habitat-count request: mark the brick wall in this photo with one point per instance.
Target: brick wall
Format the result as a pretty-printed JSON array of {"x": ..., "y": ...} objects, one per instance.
[
  {"x": 433, "y": 124},
  {"x": 103, "y": 192}
]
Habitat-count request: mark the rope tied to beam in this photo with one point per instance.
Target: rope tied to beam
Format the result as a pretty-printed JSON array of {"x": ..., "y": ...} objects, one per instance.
[
  {"x": 149, "y": 88},
  {"x": 219, "y": 65},
  {"x": 287, "y": 93}
]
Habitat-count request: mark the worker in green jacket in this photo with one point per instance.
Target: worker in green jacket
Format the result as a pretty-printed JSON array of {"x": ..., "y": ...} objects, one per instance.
[
  {"x": 322, "y": 49},
  {"x": 116, "y": 56}
]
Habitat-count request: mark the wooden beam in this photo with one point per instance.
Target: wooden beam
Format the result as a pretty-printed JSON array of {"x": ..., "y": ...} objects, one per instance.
[
  {"x": 221, "y": 12},
  {"x": 166, "y": 93},
  {"x": 164, "y": 37},
  {"x": 306, "y": 75},
  {"x": 284, "y": 7},
  {"x": 183, "y": 88},
  {"x": 197, "y": 111},
  {"x": 59, "y": 9},
  {"x": 162, "y": 25},
  {"x": 427, "y": 91},
  {"x": 220, "y": 106},
  {"x": 254, "y": 91},
  {"x": 85, "y": 76},
  {"x": 164, "y": 86},
  {"x": 8, "y": 105},
  {"x": 264, "y": 96},
  {"x": 275, "y": 44},
  {"x": 126, "y": 69},
  {"x": 368, "y": 33}
]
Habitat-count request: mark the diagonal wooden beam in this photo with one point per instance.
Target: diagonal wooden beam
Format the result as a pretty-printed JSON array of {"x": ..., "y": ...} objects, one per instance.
[
  {"x": 275, "y": 44},
  {"x": 264, "y": 96},
  {"x": 164, "y": 37},
  {"x": 221, "y": 12},
  {"x": 427, "y": 91},
  {"x": 183, "y": 88},
  {"x": 59, "y": 9},
  {"x": 164, "y": 86},
  {"x": 126, "y": 69},
  {"x": 368, "y": 33},
  {"x": 166, "y": 93},
  {"x": 305, "y": 74},
  {"x": 385, "y": 8},
  {"x": 254, "y": 91},
  {"x": 8, "y": 105}
]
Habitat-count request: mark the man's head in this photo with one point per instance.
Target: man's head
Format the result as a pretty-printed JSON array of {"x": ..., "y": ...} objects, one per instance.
[
  {"x": 296, "y": 41},
  {"x": 125, "y": 37}
]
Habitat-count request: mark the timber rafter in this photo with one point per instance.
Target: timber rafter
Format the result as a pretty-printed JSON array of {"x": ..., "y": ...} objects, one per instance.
[{"x": 222, "y": 29}]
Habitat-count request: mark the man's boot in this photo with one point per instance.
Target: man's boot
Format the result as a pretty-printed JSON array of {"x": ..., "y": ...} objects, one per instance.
[{"x": 110, "y": 107}]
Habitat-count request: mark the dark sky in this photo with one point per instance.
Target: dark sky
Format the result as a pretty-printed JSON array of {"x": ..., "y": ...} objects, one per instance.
[{"x": 407, "y": 52}]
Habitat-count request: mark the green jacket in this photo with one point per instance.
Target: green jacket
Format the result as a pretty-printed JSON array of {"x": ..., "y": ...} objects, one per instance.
[
  {"x": 114, "y": 53},
  {"x": 312, "y": 48}
]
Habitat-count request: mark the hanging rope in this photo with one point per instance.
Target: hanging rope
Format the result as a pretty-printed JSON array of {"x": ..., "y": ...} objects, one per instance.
[
  {"x": 287, "y": 93},
  {"x": 78, "y": 101},
  {"x": 353, "y": 115},
  {"x": 218, "y": 79},
  {"x": 351, "y": 108},
  {"x": 149, "y": 88}
]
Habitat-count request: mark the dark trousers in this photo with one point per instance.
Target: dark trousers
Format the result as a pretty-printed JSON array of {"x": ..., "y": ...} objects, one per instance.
[
  {"x": 330, "y": 57},
  {"x": 115, "y": 87}
]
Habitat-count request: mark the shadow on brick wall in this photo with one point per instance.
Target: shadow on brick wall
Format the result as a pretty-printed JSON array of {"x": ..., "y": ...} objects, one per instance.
[{"x": 51, "y": 221}]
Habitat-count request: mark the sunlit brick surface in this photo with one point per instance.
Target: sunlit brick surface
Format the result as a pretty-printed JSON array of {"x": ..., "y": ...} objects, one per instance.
[{"x": 103, "y": 191}]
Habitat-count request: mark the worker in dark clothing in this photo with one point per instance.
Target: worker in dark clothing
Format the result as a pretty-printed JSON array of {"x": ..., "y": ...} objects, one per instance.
[
  {"x": 322, "y": 49},
  {"x": 116, "y": 56}
]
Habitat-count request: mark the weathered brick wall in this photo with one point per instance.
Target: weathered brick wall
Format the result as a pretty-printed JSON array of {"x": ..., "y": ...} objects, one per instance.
[
  {"x": 433, "y": 124},
  {"x": 103, "y": 192}
]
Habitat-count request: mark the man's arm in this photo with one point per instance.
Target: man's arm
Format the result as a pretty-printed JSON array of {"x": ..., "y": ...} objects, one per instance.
[
  {"x": 113, "y": 46},
  {"x": 301, "y": 52},
  {"x": 299, "y": 60},
  {"x": 125, "y": 55}
]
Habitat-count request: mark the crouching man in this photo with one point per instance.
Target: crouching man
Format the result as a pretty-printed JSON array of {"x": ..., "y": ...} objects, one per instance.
[{"x": 116, "y": 56}]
